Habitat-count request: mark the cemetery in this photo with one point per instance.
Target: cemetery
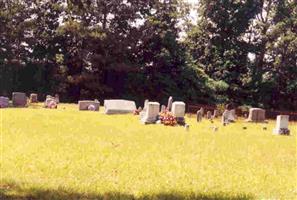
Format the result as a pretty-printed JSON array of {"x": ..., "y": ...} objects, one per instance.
[
  {"x": 148, "y": 100},
  {"x": 116, "y": 153}
]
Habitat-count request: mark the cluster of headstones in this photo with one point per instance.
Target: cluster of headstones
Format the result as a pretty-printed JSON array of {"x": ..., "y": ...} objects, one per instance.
[
  {"x": 150, "y": 113},
  {"x": 111, "y": 106},
  {"x": 209, "y": 115},
  {"x": 19, "y": 99},
  {"x": 151, "y": 110},
  {"x": 255, "y": 115}
]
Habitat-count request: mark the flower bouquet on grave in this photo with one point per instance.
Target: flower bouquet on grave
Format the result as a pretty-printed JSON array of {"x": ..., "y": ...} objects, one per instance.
[{"x": 167, "y": 118}]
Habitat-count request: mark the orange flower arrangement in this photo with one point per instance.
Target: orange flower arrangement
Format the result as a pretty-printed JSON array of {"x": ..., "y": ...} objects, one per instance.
[{"x": 167, "y": 118}]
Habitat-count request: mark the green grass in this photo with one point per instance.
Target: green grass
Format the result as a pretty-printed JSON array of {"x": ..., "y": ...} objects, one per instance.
[{"x": 67, "y": 154}]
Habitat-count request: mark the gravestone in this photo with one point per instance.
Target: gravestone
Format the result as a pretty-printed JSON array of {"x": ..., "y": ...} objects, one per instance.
[
  {"x": 142, "y": 113},
  {"x": 57, "y": 98},
  {"x": 225, "y": 117},
  {"x": 178, "y": 111},
  {"x": 119, "y": 106},
  {"x": 50, "y": 102},
  {"x": 199, "y": 115},
  {"x": 33, "y": 98},
  {"x": 256, "y": 115},
  {"x": 202, "y": 111},
  {"x": 169, "y": 104},
  {"x": 88, "y": 105},
  {"x": 232, "y": 115},
  {"x": 151, "y": 114},
  {"x": 163, "y": 108},
  {"x": 282, "y": 124},
  {"x": 19, "y": 99},
  {"x": 145, "y": 104},
  {"x": 4, "y": 102},
  {"x": 215, "y": 114},
  {"x": 208, "y": 115}
]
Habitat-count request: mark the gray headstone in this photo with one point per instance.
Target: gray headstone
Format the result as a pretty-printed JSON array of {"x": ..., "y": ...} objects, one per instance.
[
  {"x": 19, "y": 99},
  {"x": 225, "y": 117},
  {"x": 232, "y": 115},
  {"x": 215, "y": 114},
  {"x": 199, "y": 115},
  {"x": 163, "y": 108},
  {"x": 119, "y": 106},
  {"x": 4, "y": 102},
  {"x": 208, "y": 115},
  {"x": 202, "y": 111},
  {"x": 33, "y": 98},
  {"x": 57, "y": 98},
  {"x": 169, "y": 104},
  {"x": 256, "y": 115},
  {"x": 88, "y": 105}
]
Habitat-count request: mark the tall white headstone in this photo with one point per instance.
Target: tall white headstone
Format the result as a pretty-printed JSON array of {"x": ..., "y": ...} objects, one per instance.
[
  {"x": 282, "y": 125},
  {"x": 151, "y": 113},
  {"x": 178, "y": 109}
]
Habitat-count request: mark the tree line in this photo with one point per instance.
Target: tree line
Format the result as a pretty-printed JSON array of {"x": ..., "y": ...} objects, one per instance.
[{"x": 240, "y": 51}]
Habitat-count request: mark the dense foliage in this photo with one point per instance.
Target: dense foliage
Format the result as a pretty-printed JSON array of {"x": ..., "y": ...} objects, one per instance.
[{"x": 242, "y": 51}]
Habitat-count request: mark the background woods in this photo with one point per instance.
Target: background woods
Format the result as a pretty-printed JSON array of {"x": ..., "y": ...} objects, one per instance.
[{"x": 241, "y": 51}]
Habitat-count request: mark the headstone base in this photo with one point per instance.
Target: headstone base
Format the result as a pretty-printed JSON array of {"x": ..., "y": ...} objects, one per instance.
[
  {"x": 281, "y": 131},
  {"x": 180, "y": 121}
]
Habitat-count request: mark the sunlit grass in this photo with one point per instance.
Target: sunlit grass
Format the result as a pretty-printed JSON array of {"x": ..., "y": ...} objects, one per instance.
[{"x": 68, "y": 154}]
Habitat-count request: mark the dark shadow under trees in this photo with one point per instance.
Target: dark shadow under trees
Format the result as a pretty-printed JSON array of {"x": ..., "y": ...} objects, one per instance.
[{"x": 13, "y": 191}]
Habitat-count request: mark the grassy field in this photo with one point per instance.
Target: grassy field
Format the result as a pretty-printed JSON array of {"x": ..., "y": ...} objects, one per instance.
[{"x": 67, "y": 154}]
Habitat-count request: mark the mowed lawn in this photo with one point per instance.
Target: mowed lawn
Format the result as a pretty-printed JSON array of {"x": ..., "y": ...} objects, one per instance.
[{"x": 71, "y": 154}]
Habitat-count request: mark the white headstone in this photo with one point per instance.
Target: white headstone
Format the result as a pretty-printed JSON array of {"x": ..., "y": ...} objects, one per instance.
[
  {"x": 178, "y": 109},
  {"x": 152, "y": 112},
  {"x": 119, "y": 106},
  {"x": 282, "y": 125}
]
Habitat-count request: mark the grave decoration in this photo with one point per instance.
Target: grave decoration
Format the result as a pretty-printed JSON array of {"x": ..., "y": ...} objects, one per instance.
[
  {"x": 167, "y": 118},
  {"x": 50, "y": 102}
]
